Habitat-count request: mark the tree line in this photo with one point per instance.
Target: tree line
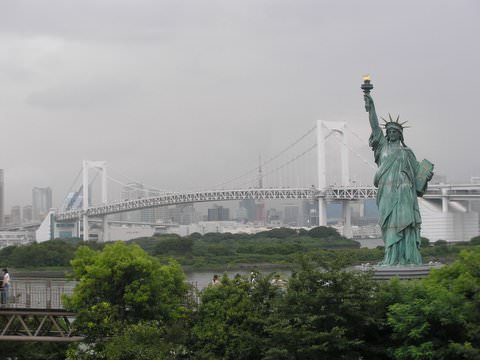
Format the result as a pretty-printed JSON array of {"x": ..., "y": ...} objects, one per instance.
[{"x": 219, "y": 251}]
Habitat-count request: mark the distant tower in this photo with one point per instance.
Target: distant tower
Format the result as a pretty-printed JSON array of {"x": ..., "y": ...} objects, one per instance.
[
  {"x": 2, "y": 198},
  {"x": 260, "y": 175},
  {"x": 16, "y": 215},
  {"x": 260, "y": 205},
  {"x": 41, "y": 202}
]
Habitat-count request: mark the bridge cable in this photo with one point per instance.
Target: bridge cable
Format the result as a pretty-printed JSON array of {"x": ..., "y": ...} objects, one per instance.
[
  {"x": 371, "y": 163},
  {"x": 269, "y": 160},
  {"x": 132, "y": 187},
  {"x": 147, "y": 187},
  {"x": 278, "y": 168},
  {"x": 355, "y": 153},
  {"x": 71, "y": 186}
]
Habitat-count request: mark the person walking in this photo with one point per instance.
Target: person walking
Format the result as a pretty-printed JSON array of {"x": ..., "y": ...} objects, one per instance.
[{"x": 5, "y": 286}]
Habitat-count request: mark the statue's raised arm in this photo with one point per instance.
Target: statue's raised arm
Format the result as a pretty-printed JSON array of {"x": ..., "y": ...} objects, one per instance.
[{"x": 372, "y": 114}]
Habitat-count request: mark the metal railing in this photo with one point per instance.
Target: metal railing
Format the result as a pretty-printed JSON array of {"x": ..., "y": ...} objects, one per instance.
[{"x": 37, "y": 294}]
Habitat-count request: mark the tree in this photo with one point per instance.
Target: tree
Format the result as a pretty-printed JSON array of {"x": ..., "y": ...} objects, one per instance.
[
  {"x": 230, "y": 323},
  {"x": 147, "y": 340},
  {"x": 439, "y": 318},
  {"x": 475, "y": 240},
  {"x": 328, "y": 314},
  {"x": 323, "y": 232},
  {"x": 122, "y": 285}
]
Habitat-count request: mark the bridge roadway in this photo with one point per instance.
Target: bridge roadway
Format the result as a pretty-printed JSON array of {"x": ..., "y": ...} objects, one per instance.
[{"x": 441, "y": 191}]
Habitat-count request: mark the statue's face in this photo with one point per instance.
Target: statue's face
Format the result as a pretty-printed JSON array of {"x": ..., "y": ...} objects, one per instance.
[{"x": 393, "y": 135}]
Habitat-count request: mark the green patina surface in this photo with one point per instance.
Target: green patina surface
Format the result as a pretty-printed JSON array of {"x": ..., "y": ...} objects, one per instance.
[{"x": 400, "y": 178}]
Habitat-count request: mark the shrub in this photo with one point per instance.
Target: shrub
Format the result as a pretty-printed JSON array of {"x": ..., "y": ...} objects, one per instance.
[
  {"x": 475, "y": 240},
  {"x": 323, "y": 232}
]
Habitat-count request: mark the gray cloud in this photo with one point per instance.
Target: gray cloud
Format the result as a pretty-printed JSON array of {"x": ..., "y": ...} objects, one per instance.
[{"x": 181, "y": 94}]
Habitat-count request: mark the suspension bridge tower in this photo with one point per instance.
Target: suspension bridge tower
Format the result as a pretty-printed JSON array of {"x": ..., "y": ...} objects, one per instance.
[
  {"x": 102, "y": 167},
  {"x": 325, "y": 129}
]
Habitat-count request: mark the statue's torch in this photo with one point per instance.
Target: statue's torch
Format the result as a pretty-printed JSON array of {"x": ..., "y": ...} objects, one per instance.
[{"x": 366, "y": 86}]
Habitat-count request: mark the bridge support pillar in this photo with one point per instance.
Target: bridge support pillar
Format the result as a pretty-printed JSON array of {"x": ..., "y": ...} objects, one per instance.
[
  {"x": 85, "y": 228},
  {"x": 105, "y": 236},
  {"x": 322, "y": 212},
  {"x": 444, "y": 200},
  {"x": 347, "y": 220},
  {"x": 78, "y": 228},
  {"x": 324, "y": 130},
  {"x": 101, "y": 165}
]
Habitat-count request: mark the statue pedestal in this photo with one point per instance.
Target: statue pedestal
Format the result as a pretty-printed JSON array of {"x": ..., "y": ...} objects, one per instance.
[{"x": 403, "y": 272}]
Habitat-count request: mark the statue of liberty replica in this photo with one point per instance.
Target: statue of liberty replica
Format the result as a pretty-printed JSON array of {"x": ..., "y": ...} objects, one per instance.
[{"x": 400, "y": 178}]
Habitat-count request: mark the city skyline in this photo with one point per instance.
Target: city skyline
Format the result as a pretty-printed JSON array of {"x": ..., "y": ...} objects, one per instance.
[{"x": 156, "y": 88}]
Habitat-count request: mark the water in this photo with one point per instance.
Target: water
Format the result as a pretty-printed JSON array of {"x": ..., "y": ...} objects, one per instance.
[{"x": 370, "y": 243}]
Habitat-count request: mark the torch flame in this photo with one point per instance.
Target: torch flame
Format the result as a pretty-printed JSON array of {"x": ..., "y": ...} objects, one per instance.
[{"x": 366, "y": 78}]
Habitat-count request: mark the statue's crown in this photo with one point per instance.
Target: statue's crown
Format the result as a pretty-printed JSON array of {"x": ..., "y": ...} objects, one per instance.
[{"x": 396, "y": 124}]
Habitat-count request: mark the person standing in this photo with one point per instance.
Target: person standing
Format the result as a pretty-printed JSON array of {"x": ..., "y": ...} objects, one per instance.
[
  {"x": 215, "y": 280},
  {"x": 5, "y": 286}
]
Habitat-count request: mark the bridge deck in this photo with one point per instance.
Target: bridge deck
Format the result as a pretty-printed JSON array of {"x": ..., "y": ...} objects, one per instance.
[
  {"x": 37, "y": 325},
  {"x": 332, "y": 193}
]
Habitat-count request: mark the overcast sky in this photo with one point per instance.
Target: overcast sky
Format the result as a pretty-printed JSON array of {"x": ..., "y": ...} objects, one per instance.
[{"x": 181, "y": 94}]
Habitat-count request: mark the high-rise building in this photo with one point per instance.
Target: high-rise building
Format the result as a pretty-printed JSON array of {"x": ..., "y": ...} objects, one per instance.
[
  {"x": 260, "y": 212},
  {"x": 273, "y": 216},
  {"x": 16, "y": 215},
  {"x": 2, "y": 198},
  {"x": 27, "y": 214},
  {"x": 218, "y": 213},
  {"x": 183, "y": 214},
  {"x": 41, "y": 202},
  {"x": 291, "y": 215},
  {"x": 309, "y": 213},
  {"x": 249, "y": 205}
]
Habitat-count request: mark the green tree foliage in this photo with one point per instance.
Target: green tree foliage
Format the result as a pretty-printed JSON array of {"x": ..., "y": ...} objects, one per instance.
[
  {"x": 231, "y": 319},
  {"x": 122, "y": 285},
  {"x": 280, "y": 233},
  {"x": 424, "y": 242},
  {"x": 328, "y": 314},
  {"x": 174, "y": 245},
  {"x": 50, "y": 253},
  {"x": 475, "y": 240},
  {"x": 439, "y": 318},
  {"x": 32, "y": 350},
  {"x": 147, "y": 340},
  {"x": 323, "y": 232}
]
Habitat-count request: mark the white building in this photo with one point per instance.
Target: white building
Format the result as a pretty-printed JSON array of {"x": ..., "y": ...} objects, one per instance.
[
  {"x": 15, "y": 238},
  {"x": 456, "y": 224}
]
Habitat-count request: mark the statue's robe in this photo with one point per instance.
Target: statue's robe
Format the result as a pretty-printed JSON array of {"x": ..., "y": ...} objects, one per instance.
[{"x": 399, "y": 215}]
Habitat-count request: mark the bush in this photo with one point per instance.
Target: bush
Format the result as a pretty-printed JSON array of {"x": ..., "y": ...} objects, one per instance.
[
  {"x": 323, "y": 232},
  {"x": 475, "y": 240},
  {"x": 174, "y": 246},
  {"x": 424, "y": 242}
]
